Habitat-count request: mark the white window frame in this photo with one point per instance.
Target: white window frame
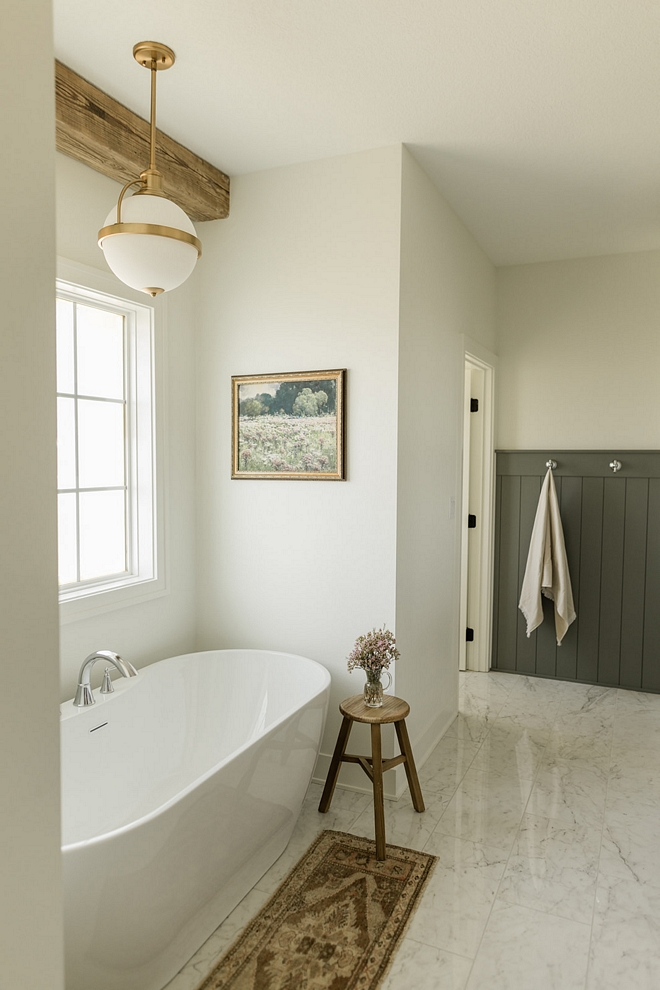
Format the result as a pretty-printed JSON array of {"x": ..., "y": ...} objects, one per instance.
[{"x": 145, "y": 578}]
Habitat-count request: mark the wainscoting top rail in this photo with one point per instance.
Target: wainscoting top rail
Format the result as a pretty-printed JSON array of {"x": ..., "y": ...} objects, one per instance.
[{"x": 580, "y": 463}]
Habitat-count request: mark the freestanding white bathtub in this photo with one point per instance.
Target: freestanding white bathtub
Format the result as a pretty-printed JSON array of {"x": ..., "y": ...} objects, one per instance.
[{"x": 179, "y": 791}]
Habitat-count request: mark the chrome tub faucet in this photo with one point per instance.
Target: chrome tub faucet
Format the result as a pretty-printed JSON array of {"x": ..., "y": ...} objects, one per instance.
[{"x": 84, "y": 695}]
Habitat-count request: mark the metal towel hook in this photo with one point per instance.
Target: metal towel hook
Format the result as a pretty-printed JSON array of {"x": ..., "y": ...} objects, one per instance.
[
  {"x": 551, "y": 464},
  {"x": 616, "y": 466}
]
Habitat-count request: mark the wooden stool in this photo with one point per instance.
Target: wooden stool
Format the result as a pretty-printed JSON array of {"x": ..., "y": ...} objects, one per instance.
[{"x": 393, "y": 710}]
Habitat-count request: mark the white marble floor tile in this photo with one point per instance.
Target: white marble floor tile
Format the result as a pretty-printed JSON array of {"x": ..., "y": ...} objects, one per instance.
[
  {"x": 540, "y": 720},
  {"x": 440, "y": 784},
  {"x": 535, "y": 702},
  {"x": 512, "y": 749},
  {"x": 463, "y": 854},
  {"x": 629, "y": 702},
  {"x": 586, "y": 699},
  {"x": 634, "y": 792},
  {"x": 529, "y": 950},
  {"x": 311, "y": 822},
  {"x": 495, "y": 683},
  {"x": 345, "y": 807},
  {"x": 632, "y": 726},
  {"x": 553, "y": 868},
  {"x": 529, "y": 706},
  {"x": 422, "y": 967},
  {"x": 481, "y": 695},
  {"x": 447, "y": 765},
  {"x": 470, "y": 728},
  {"x": 343, "y": 799},
  {"x": 505, "y": 727},
  {"x": 637, "y": 749},
  {"x": 644, "y": 755},
  {"x": 539, "y": 688},
  {"x": 503, "y": 677},
  {"x": 457, "y": 900},
  {"x": 626, "y": 936},
  {"x": 487, "y": 807},
  {"x": 403, "y": 825},
  {"x": 631, "y": 849},
  {"x": 451, "y": 752},
  {"x": 582, "y": 739},
  {"x": 475, "y": 704},
  {"x": 569, "y": 793}
]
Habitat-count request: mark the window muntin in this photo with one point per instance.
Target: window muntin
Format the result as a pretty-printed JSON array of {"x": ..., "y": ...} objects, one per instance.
[{"x": 104, "y": 375}]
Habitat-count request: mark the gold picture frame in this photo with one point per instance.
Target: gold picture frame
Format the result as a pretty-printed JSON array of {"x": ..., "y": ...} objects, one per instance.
[{"x": 289, "y": 426}]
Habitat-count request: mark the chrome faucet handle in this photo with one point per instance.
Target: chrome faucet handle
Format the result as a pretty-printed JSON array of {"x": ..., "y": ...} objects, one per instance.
[{"x": 106, "y": 686}]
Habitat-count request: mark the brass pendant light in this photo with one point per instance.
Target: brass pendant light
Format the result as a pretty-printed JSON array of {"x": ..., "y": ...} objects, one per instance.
[{"x": 148, "y": 241}]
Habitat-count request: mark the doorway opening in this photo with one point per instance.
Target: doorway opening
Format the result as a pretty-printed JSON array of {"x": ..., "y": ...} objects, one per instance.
[{"x": 477, "y": 508}]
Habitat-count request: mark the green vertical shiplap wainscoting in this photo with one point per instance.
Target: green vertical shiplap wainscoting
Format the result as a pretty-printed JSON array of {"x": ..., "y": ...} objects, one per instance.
[{"x": 612, "y": 531}]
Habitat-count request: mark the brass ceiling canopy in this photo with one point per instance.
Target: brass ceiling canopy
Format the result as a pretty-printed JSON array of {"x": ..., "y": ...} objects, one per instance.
[{"x": 153, "y": 55}]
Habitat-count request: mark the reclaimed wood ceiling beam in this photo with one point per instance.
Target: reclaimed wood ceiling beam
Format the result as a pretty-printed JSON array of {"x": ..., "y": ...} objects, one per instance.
[{"x": 102, "y": 133}]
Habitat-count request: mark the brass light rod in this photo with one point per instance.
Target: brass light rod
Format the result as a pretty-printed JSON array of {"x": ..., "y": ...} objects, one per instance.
[
  {"x": 152, "y": 136},
  {"x": 153, "y": 56}
]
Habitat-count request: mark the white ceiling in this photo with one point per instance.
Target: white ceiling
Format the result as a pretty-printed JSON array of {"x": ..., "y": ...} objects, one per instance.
[{"x": 538, "y": 120}]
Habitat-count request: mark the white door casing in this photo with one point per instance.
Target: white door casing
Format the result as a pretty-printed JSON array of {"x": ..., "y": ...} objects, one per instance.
[{"x": 478, "y": 498}]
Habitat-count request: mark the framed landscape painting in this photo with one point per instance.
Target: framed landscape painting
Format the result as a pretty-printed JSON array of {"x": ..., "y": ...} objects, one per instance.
[{"x": 289, "y": 426}]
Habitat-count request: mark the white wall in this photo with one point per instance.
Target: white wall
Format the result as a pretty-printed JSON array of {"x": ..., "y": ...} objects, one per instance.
[
  {"x": 447, "y": 289},
  {"x": 579, "y": 347},
  {"x": 163, "y": 626},
  {"x": 30, "y": 886},
  {"x": 303, "y": 275}
]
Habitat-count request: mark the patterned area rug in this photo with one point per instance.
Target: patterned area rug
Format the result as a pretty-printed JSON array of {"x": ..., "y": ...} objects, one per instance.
[{"x": 332, "y": 924}]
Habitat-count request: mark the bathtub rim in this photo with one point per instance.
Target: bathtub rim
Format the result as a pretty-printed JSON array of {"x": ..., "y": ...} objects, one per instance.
[{"x": 198, "y": 781}]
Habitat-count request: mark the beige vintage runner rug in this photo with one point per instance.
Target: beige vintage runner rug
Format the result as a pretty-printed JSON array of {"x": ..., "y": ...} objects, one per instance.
[{"x": 332, "y": 924}]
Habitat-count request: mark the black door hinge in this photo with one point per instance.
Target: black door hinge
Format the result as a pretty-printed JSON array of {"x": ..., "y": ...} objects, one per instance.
[
  {"x": 472, "y": 521},
  {"x": 469, "y": 635},
  {"x": 474, "y": 405}
]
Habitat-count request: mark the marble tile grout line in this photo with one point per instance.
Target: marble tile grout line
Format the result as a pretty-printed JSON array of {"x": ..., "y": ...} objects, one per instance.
[
  {"x": 511, "y": 848},
  {"x": 600, "y": 848},
  {"x": 459, "y": 780}
]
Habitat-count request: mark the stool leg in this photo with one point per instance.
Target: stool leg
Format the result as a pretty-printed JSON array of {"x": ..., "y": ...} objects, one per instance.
[
  {"x": 335, "y": 764},
  {"x": 411, "y": 770},
  {"x": 379, "y": 809}
]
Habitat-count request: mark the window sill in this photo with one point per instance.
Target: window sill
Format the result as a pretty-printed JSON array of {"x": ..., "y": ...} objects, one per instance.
[{"x": 103, "y": 599}]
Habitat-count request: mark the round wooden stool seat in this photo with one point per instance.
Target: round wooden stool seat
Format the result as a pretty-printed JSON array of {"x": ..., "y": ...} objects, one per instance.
[{"x": 393, "y": 710}]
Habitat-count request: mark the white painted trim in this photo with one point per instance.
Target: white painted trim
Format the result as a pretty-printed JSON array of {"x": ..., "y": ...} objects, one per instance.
[
  {"x": 145, "y": 583},
  {"x": 487, "y": 361},
  {"x": 462, "y": 516}
]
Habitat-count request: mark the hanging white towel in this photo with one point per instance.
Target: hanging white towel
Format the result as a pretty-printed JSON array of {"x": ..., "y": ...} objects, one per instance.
[{"x": 547, "y": 568}]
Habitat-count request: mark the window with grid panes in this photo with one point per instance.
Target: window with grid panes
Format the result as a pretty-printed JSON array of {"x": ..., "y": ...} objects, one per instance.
[{"x": 105, "y": 518}]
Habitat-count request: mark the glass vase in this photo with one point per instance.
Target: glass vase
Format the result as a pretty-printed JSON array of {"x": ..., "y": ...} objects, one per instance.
[{"x": 373, "y": 689}]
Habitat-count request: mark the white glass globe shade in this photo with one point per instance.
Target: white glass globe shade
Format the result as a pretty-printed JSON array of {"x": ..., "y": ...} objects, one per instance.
[{"x": 150, "y": 262}]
